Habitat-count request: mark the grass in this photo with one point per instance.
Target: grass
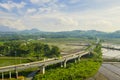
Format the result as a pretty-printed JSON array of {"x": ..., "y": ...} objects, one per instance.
[
  {"x": 6, "y": 61},
  {"x": 1, "y": 43}
]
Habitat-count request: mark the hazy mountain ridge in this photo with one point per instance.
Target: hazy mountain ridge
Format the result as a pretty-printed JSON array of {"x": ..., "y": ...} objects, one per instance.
[{"x": 36, "y": 34}]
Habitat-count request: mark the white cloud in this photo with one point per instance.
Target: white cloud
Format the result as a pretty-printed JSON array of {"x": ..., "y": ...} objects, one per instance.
[
  {"x": 32, "y": 10},
  {"x": 40, "y": 1},
  {"x": 10, "y": 5},
  {"x": 18, "y": 24},
  {"x": 50, "y": 17},
  {"x": 74, "y": 1},
  {"x": 51, "y": 7}
]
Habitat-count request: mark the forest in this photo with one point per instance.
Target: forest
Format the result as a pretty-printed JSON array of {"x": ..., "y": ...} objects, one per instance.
[{"x": 28, "y": 49}]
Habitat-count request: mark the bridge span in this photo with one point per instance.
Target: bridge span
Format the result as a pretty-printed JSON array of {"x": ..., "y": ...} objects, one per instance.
[{"x": 42, "y": 64}]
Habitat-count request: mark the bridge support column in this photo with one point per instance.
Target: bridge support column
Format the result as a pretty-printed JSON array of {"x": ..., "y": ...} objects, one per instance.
[
  {"x": 65, "y": 63},
  {"x": 42, "y": 69},
  {"x": 79, "y": 58},
  {"x": 61, "y": 64},
  {"x": 16, "y": 74},
  {"x": 75, "y": 61},
  {"x": 10, "y": 75},
  {"x": 2, "y": 76}
]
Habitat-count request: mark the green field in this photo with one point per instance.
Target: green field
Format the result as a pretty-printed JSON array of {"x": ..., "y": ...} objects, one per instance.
[{"x": 6, "y": 61}]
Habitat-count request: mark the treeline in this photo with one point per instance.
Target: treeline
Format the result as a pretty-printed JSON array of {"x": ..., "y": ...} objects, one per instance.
[{"x": 28, "y": 49}]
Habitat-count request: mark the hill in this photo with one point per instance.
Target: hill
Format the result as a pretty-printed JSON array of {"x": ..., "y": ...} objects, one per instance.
[{"x": 36, "y": 34}]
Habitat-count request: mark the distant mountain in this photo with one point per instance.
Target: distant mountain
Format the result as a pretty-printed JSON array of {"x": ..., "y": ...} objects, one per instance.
[
  {"x": 71, "y": 34},
  {"x": 7, "y": 29},
  {"x": 31, "y": 31},
  {"x": 118, "y": 31},
  {"x": 36, "y": 34}
]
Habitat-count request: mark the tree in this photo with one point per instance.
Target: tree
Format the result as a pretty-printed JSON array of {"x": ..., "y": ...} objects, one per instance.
[
  {"x": 46, "y": 50},
  {"x": 55, "y": 51}
]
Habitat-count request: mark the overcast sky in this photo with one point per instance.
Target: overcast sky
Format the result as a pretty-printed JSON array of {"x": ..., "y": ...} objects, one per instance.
[{"x": 61, "y": 15}]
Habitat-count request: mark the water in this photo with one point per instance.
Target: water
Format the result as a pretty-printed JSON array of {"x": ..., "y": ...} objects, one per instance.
[{"x": 107, "y": 53}]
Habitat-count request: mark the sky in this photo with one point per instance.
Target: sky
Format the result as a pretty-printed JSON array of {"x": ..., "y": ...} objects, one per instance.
[{"x": 61, "y": 15}]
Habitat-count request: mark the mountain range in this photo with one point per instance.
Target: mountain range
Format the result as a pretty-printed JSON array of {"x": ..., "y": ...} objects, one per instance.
[{"x": 36, "y": 34}]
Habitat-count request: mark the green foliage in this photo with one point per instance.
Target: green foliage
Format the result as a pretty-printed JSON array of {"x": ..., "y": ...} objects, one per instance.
[
  {"x": 28, "y": 49},
  {"x": 97, "y": 51},
  {"x": 74, "y": 71},
  {"x": 55, "y": 51}
]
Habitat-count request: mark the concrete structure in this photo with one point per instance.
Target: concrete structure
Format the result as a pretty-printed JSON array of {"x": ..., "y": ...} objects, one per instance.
[{"x": 41, "y": 64}]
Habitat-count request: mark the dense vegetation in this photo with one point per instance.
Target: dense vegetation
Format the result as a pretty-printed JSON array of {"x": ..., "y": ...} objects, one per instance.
[
  {"x": 28, "y": 49},
  {"x": 76, "y": 71}
]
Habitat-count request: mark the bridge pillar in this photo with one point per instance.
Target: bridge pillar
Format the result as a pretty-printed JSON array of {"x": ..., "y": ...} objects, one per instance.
[
  {"x": 75, "y": 61},
  {"x": 79, "y": 58},
  {"x": 65, "y": 63},
  {"x": 10, "y": 74},
  {"x": 2, "y": 76},
  {"x": 42, "y": 69},
  {"x": 61, "y": 64},
  {"x": 16, "y": 73}
]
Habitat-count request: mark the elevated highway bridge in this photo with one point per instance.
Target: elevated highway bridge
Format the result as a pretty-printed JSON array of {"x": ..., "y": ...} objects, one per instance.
[{"x": 42, "y": 64}]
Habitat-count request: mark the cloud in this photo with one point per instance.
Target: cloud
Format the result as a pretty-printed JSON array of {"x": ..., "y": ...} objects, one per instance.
[
  {"x": 18, "y": 24},
  {"x": 74, "y": 1},
  {"x": 46, "y": 6},
  {"x": 31, "y": 10},
  {"x": 10, "y": 5},
  {"x": 40, "y": 1},
  {"x": 51, "y": 22},
  {"x": 60, "y": 15}
]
